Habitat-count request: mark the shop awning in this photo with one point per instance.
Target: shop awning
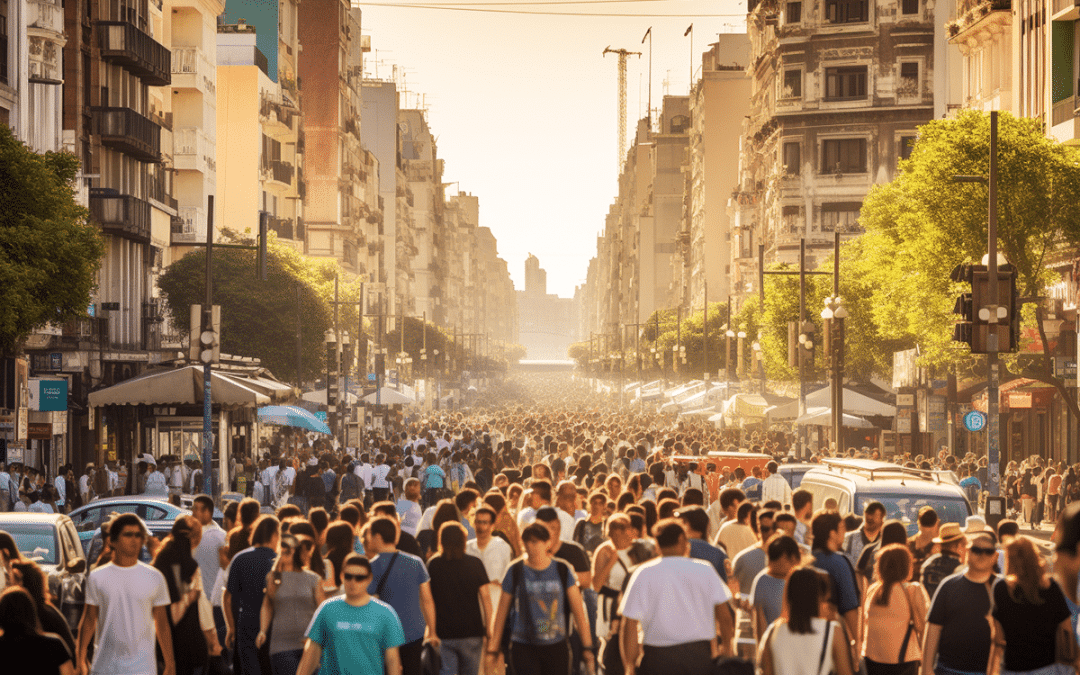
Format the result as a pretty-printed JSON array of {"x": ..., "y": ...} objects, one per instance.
[
  {"x": 180, "y": 386},
  {"x": 854, "y": 404},
  {"x": 1020, "y": 394},
  {"x": 277, "y": 391}
]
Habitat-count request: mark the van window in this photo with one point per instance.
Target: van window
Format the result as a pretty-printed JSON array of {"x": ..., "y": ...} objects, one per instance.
[{"x": 904, "y": 506}]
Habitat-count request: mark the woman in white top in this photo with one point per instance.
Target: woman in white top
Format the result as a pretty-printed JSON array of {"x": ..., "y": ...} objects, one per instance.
[
  {"x": 803, "y": 643},
  {"x": 611, "y": 567}
]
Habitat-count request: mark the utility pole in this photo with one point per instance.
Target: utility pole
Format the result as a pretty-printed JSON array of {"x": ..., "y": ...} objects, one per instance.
[
  {"x": 207, "y": 321},
  {"x": 623, "y": 54},
  {"x": 993, "y": 420}
]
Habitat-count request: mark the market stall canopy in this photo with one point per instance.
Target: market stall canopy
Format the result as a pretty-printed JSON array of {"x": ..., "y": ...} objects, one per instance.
[
  {"x": 854, "y": 404},
  {"x": 291, "y": 416},
  {"x": 179, "y": 386},
  {"x": 388, "y": 396},
  {"x": 823, "y": 417},
  {"x": 277, "y": 391},
  {"x": 319, "y": 396}
]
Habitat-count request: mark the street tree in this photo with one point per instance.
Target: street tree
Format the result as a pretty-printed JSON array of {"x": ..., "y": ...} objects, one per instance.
[
  {"x": 262, "y": 318},
  {"x": 49, "y": 251},
  {"x": 922, "y": 224}
]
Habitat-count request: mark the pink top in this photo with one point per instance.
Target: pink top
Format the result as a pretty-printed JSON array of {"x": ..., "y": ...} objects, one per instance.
[{"x": 884, "y": 626}]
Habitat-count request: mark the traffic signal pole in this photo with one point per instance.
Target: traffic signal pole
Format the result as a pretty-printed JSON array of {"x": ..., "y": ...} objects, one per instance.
[
  {"x": 993, "y": 422},
  {"x": 207, "y": 324}
]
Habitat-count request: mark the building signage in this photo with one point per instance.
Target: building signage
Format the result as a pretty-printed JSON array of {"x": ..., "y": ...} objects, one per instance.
[
  {"x": 974, "y": 421},
  {"x": 48, "y": 395}
]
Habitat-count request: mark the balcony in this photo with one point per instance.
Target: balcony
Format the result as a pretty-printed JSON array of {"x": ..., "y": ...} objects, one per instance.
[
  {"x": 192, "y": 70},
  {"x": 1065, "y": 110},
  {"x": 278, "y": 172},
  {"x": 121, "y": 215},
  {"x": 190, "y": 226},
  {"x": 122, "y": 42},
  {"x": 45, "y": 34},
  {"x": 157, "y": 192},
  {"x": 283, "y": 227},
  {"x": 45, "y": 18},
  {"x": 193, "y": 150},
  {"x": 276, "y": 113},
  {"x": 127, "y": 131}
]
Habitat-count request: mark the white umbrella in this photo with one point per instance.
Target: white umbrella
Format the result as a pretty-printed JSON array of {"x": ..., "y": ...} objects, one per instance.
[
  {"x": 823, "y": 417},
  {"x": 319, "y": 396},
  {"x": 388, "y": 396},
  {"x": 148, "y": 458}
]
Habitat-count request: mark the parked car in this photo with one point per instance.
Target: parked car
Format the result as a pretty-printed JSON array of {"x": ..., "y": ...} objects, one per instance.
[
  {"x": 903, "y": 491},
  {"x": 793, "y": 473},
  {"x": 156, "y": 512},
  {"x": 158, "y": 530},
  {"x": 50, "y": 540}
]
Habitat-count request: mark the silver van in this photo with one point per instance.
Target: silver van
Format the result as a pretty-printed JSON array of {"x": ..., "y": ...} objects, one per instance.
[{"x": 904, "y": 491}]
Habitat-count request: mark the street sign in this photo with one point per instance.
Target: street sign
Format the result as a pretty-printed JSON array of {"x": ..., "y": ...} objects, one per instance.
[
  {"x": 974, "y": 421},
  {"x": 371, "y": 377},
  {"x": 320, "y": 415}
]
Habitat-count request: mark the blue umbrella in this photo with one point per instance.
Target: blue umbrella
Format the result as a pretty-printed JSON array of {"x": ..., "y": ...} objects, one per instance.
[{"x": 291, "y": 416}]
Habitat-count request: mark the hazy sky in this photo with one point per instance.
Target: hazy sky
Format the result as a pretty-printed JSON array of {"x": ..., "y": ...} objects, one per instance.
[{"x": 525, "y": 107}]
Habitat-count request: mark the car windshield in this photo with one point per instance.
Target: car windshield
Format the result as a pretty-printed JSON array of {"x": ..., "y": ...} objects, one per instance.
[
  {"x": 35, "y": 541},
  {"x": 905, "y": 508}
]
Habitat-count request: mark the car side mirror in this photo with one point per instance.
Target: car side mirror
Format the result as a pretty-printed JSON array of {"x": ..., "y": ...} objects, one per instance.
[{"x": 76, "y": 566}]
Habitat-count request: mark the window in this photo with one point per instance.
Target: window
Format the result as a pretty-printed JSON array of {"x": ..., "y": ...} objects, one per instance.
[
  {"x": 679, "y": 124},
  {"x": 846, "y": 11},
  {"x": 909, "y": 6},
  {"x": 843, "y": 155},
  {"x": 791, "y": 220},
  {"x": 907, "y": 143},
  {"x": 792, "y": 159},
  {"x": 792, "y": 84},
  {"x": 840, "y": 217},
  {"x": 848, "y": 82},
  {"x": 908, "y": 86},
  {"x": 793, "y": 13}
]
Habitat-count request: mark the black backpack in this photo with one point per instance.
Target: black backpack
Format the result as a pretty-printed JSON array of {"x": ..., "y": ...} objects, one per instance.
[{"x": 351, "y": 486}]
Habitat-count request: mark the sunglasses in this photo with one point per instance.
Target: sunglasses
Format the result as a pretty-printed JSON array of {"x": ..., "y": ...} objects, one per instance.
[
  {"x": 983, "y": 550},
  {"x": 354, "y": 577}
]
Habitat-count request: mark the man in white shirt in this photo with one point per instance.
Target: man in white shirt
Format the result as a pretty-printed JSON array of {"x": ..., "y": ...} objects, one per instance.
[
  {"x": 126, "y": 606},
  {"x": 5, "y": 493},
  {"x": 775, "y": 486},
  {"x": 380, "y": 486},
  {"x": 677, "y": 601},
  {"x": 540, "y": 496},
  {"x": 493, "y": 551},
  {"x": 84, "y": 483},
  {"x": 408, "y": 507},
  {"x": 566, "y": 507},
  {"x": 267, "y": 477}
]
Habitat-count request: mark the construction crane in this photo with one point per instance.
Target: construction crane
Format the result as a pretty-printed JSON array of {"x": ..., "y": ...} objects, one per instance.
[{"x": 623, "y": 54}]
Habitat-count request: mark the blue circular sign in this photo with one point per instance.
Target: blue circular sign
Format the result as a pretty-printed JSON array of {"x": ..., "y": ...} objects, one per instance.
[{"x": 974, "y": 421}]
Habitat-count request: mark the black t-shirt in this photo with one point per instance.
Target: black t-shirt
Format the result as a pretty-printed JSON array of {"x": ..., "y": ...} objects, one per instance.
[
  {"x": 408, "y": 544},
  {"x": 575, "y": 555},
  {"x": 52, "y": 621},
  {"x": 962, "y": 608},
  {"x": 39, "y": 654},
  {"x": 455, "y": 587},
  {"x": 1030, "y": 630},
  {"x": 589, "y": 535}
]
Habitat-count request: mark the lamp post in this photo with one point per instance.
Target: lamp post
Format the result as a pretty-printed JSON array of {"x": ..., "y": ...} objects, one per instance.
[
  {"x": 834, "y": 314},
  {"x": 759, "y": 359},
  {"x": 728, "y": 335},
  {"x": 346, "y": 367},
  {"x": 330, "y": 338}
]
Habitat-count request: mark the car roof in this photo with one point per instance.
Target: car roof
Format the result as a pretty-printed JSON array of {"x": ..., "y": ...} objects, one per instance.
[
  {"x": 17, "y": 517},
  {"x": 129, "y": 498},
  {"x": 804, "y": 466},
  {"x": 876, "y": 476}
]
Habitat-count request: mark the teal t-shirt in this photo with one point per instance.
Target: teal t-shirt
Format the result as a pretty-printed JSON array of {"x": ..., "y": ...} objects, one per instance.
[{"x": 354, "y": 639}]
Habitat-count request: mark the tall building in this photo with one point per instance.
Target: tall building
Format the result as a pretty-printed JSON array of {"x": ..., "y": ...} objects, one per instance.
[
  {"x": 719, "y": 102},
  {"x": 423, "y": 173},
  {"x": 331, "y": 73},
  {"x": 546, "y": 322},
  {"x": 32, "y": 71},
  {"x": 839, "y": 90}
]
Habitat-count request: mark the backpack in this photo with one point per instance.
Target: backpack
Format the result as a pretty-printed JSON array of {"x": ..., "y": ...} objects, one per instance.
[
  {"x": 516, "y": 572},
  {"x": 352, "y": 486},
  {"x": 101, "y": 482}
]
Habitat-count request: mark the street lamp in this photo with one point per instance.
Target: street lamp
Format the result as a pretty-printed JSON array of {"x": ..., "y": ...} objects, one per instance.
[
  {"x": 728, "y": 335},
  {"x": 834, "y": 314},
  {"x": 759, "y": 358},
  {"x": 330, "y": 339}
]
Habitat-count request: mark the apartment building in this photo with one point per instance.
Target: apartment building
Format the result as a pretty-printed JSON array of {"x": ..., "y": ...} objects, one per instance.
[
  {"x": 32, "y": 71},
  {"x": 839, "y": 89},
  {"x": 423, "y": 171}
]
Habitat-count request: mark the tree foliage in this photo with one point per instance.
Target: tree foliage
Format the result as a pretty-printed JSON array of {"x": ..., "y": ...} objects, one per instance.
[
  {"x": 261, "y": 318},
  {"x": 49, "y": 251}
]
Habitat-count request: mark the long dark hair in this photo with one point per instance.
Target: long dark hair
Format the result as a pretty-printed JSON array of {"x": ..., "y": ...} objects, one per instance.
[
  {"x": 805, "y": 589},
  {"x": 893, "y": 566},
  {"x": 18, "y": 615},
  {"x": 316, "y": 563},
  {"x": 175, "y": 555},
  {"x": 339, "y": 543}
]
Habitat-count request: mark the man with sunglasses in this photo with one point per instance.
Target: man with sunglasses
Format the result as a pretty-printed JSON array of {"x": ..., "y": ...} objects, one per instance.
[
  {"x": 958, "y": 633},
  {"x": 355, "y": 634}
]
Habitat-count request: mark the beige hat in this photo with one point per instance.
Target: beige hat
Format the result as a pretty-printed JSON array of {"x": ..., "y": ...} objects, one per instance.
[
  {"x": 974, "y": 524},
  {"x": 948, "y": 533}
]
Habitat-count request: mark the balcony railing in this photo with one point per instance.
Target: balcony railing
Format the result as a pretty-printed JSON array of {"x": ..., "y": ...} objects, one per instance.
[
  {"x": 1065, "y": 111},
  {"x": 156, "y": 190},
  {"x": 127, "y": 131},
  {"x": 192, "y": 61},
  {"x": 190, "y": 226},
  {"x": 192, "y": 150},
  {"x": 278, "y": 171},
  {"x": 124, "y": 43},
  {"x": 122, "y": 215},
  {"x": 284, "y": 227}
]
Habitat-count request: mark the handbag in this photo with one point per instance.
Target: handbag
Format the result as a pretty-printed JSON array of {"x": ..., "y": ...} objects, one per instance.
[{"x": 907, "y": 667}]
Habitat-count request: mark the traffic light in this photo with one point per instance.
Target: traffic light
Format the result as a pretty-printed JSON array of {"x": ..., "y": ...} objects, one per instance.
[
  {"x": 204, "y": 343},
  {"x": 793, "y": 344},
  {"x": 962, "y": 328},
  {"x": 978, "y": 320},
  {"x": 806, "y": 341}
]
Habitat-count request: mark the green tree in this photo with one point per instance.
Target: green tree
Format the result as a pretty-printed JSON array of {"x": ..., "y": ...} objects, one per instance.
[
  {"x": 922, "y": 224},
  {"x": 49, "y": 252},
  {"x": 260, "y": 318}
]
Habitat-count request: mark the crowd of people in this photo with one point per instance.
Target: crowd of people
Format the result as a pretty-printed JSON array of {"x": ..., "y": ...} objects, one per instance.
[{"x": 546, "y": 537}]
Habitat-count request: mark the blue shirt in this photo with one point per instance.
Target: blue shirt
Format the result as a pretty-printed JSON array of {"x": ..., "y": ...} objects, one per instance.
[
  {"x": 752, "y": 488},
  {"x": 543, "y": 622},
  {"x": 845, "y": 590},
  {"x": 714, "y": 555},
  {"x": 402, "y": 589},
  {"x": 354, "y": 640},
  {"x": 247, "y": 583},
  {"x": 434, "y": 477}
]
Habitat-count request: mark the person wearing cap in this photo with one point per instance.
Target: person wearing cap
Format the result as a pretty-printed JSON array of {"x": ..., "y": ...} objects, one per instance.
[
  {"x": 953, "y": 547},
  {"x": 958, "y": 630}
]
